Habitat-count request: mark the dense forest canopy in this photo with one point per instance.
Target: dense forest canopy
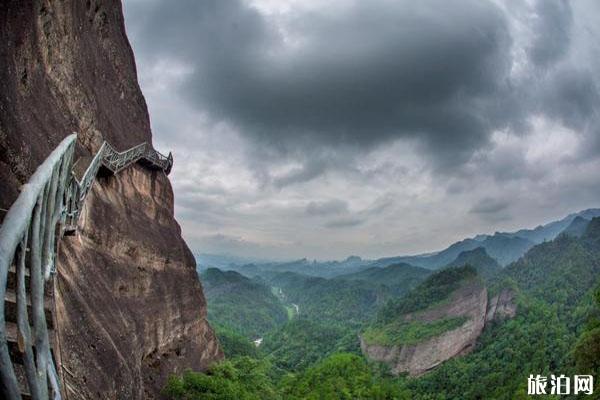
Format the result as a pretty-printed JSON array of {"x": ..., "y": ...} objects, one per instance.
[{"x": 315, "y": 354}]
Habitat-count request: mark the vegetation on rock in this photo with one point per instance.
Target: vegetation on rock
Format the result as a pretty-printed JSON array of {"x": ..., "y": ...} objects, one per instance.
[
  {"x": 242, "y": 304},
  {"x": 316, "y": 355}
]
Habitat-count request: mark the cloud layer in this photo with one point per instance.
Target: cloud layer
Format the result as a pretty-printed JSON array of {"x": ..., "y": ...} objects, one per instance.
[{"x": 372, "y": 128}]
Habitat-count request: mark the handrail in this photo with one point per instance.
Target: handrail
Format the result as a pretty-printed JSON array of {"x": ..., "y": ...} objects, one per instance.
[
  {"x": 28, "y": 237},
  {"x": 30, "y": 222},
  {"x": 113, "y": 161}
]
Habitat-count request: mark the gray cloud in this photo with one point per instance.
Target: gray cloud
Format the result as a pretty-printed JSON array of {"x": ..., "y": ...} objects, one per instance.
[
  {"x": 372, "y": 128},
  {"x": 571, "y": 95},
  {"x": 344, "y": 223},
  {"x": 433, "y": 72},
  {"x": 552, "y": 31},
  {"x": 319, "y": 208},
  {"x": 489, "y": 205}
]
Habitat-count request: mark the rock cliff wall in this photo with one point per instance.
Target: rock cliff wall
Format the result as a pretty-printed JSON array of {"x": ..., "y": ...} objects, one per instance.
[
  {"x": 502, "y": 305},
  {"x": 130, "y": 308},
  {"x": 470, "y": 302}
]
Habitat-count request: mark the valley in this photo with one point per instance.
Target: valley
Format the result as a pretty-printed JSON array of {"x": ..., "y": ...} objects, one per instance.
[
  {"x": 300, "y": 200},
  {"x": 471, "y": 327}
]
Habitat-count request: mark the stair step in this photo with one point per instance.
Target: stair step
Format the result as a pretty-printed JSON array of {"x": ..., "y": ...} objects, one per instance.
[
  {"x": 12, "y": 278},
  {"x": 11, "y": 282},
  {"x": 12, "y": 341},
  {"x": 21, "y": 376},
  {"x": 10, "y": 308}
]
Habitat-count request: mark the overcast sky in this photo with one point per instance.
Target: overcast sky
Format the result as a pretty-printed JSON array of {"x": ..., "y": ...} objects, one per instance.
[{"x": 376, "y": 128}]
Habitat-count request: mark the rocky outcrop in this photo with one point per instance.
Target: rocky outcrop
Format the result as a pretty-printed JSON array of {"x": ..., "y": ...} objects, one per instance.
[
  {"x": 502, "y": 305},
  {"x": 129, "y": 306},
  {"x": 470, "y": 301}
]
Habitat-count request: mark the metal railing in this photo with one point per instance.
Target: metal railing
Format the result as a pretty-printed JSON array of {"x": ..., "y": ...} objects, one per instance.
[
  {"x": 47, "y": 207},
  {"x": 27, "y": 240},
  {"x": 114, "y": 161}
]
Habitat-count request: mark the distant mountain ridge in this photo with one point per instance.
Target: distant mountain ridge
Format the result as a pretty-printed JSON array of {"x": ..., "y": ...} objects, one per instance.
[
  {"x": 323, "y": 269},
  {"x": 551, "y": 230},
  {"x": 504, "y": 247}
]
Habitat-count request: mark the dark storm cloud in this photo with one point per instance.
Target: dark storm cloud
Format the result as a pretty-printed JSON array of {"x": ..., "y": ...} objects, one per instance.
[
  {"x": 454, "y": 117},
  {"x": 370, "y": 73}
]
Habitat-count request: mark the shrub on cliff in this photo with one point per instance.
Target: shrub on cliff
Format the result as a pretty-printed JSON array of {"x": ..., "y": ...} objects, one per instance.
[
  {"x": 241, "y": 378},
  {"x": 435, "y": 289},
  {"x": 342, "y": 376}
]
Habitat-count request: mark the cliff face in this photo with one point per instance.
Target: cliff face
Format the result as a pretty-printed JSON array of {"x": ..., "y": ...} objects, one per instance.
[
  {"x": 129, "y": 306},
  {"x": 469, "y": 302},
  {"x": 502, "y": 305}
]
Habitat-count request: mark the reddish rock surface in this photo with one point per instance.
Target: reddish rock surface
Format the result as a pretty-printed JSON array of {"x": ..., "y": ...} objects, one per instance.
[{"x": 129, "y": 304}]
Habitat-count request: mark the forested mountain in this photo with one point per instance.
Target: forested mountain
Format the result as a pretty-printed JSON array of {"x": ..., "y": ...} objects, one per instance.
[
  {"x": 323, "y": 269},
  {"x": 333, "y": 300},
  {"x": 553, "y": 229},
  {"x": 504, "y": 247},
  {"x": 237, "y": 302},
  {"x": 398, "y": 277},
  {"x": 561, "y": 271},
  {"x": 555, "y": 282},
  {"x": 577, "y": 227},
  {"x": 478, "y": 258},
  {"x": 439, "y": 319},
  {"x": 435, "y": 289},
  {"x": 554, "y": 327}
]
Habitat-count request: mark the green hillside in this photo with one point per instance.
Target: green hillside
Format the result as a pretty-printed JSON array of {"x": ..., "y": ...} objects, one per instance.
[
  {"x": 349, "y": 302},
  {"x": 239, "y": 303},
  {"x": 556, "y": 330},
  {"x": 435, "y": 289},
  {"x": 478, "y": 258},
  {"x": 400, "y": 278},
  {"x": 303, "y": 342},
  {"x": 390, "y": 327}
]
